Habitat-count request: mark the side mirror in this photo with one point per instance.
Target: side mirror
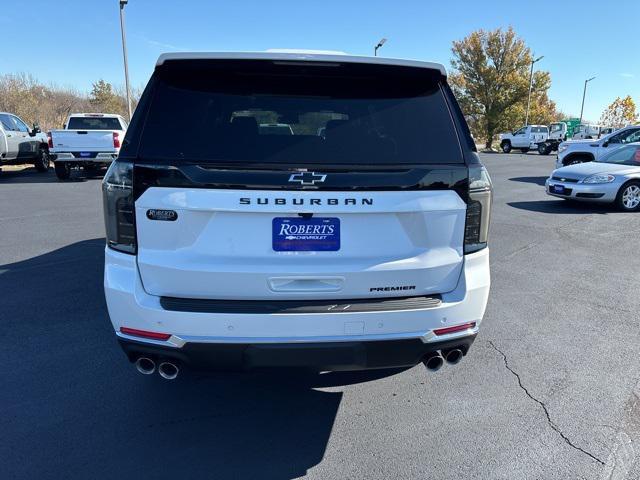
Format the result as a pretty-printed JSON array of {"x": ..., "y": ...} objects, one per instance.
[
  {"x": 36, "y": 128},
  {"x": 605, "y": 143}
]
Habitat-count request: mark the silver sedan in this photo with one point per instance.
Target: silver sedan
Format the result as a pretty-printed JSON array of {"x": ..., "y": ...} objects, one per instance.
[{"x": 614, "y": 178}]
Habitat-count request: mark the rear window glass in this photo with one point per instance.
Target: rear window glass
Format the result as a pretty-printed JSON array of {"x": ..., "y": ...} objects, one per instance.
[
  {"x": 282, "y": 113},
  {"x": 94, "y": 123}
]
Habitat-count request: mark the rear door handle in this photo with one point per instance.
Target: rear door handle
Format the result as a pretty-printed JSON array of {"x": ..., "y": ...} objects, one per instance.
[{"x": 306, "y": 284}]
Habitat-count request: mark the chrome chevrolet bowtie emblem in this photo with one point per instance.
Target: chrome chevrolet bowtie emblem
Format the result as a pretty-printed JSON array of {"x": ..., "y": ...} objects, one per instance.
[{"x": 307, "y": 178}]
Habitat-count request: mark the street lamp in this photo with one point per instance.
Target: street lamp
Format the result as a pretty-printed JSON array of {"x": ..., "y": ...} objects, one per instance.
[
  {"x": 584, "y": 94},
  {"x": 380, "y": 43},
  {"x": 124, "y": 55},
  {"x": 526, "y": 120}
]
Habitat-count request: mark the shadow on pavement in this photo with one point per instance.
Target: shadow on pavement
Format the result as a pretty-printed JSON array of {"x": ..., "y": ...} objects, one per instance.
[
  {"x": 31, "y": 175},
  {"x": 562, "y": 206},
  {"x": 75, "y": 408},
  {"x": 535, "y": 180},
  {"x": 27, "y": 175}
]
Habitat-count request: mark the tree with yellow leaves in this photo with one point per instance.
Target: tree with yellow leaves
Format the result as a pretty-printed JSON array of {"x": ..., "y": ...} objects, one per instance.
[
  {"x": 620, "y": 113},
  {"x": 490, "y": 79}
]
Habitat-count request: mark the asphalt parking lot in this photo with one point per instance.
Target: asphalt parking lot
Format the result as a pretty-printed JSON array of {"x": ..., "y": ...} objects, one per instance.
[{"x": 549, "y": 390}]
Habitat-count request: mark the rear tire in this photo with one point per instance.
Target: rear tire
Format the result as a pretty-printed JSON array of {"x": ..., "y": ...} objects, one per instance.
[
  {"x": 544, "y": 149},
  {"x": 63, "y": 170},
  {"x": 505, "y": 146},
  {"x": 628, "y": 198},
  {"x": 43, "y": 162}
]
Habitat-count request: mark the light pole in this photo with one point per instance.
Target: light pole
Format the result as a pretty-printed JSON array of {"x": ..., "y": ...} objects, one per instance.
[
  {"x": 124, "y": 55},
  {"x": 584, "y": 94},
  {"x": 380, "y": 43},
  {"x": 526, "y": 120}
]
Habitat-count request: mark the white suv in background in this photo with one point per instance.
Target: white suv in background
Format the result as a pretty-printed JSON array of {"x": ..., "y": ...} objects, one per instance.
[
  {"x": 363, "y": 247},
  {"x": 580, "y": 151}
]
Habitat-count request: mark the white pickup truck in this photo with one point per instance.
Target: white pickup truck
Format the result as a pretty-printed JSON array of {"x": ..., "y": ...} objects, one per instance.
[
  {"x": 88, "y": 140},
  {"x": 526, "y": 138},
  {"x": 20, "y": 145}
]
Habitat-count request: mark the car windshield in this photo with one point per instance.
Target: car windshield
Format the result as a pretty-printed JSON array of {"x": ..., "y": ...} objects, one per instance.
[
  {"x": 628, "y": 155},
  {"x": 252, "y": 113},
  {"x": 94, "y": 123},
  {"x": 556, "y": 127}
]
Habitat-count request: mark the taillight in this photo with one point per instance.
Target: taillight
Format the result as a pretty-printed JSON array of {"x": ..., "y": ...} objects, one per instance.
[
  {"x": 476, "y": 232},
  {"x": 455, "y": 328},
  {"x": 145, "y": 333},
  {"x": 49, "y": 139},
  {"x": 119, "y": 211},
  {"x": 116, "y": 140}
]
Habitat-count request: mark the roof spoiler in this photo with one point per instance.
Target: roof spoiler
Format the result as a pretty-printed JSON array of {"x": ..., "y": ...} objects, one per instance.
[{"x": 298, "y": 57}]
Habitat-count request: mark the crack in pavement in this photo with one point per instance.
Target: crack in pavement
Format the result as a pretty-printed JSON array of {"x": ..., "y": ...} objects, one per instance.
[{"x": 544, "y": 407}]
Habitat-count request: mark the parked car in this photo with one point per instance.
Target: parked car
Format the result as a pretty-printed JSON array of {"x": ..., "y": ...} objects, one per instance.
[
  {"x": 525, "y": 139},
  {"x": 20, "y": 145},
  {"x": 614, "y": 178},
  {"x": 363, "y": 249},
  {"x": 580, "y": 151},
  {"x": 88, "y": 141}
]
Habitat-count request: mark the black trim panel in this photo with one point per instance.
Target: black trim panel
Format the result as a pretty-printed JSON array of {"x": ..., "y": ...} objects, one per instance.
[
  {"x": 589, "y": 195},
  {"x": 299, "y": 306},
  {"x": 332, "y": 356},
  {"x": 434, "y": 177},
  {"x": 565, "y": 180}
]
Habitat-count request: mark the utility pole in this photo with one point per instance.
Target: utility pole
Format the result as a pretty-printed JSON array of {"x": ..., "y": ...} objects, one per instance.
[
  {"x": 526, "y": 120},
  {"x": 584, "y": 94},
  {"x": 124, "y": 55}
]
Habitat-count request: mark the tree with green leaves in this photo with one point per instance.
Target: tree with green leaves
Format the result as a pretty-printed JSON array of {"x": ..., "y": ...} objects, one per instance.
[
  {"x": 490, "y": 79},
  {"x": 104, "y": 99},
  {"x": 620, "y": 113}
]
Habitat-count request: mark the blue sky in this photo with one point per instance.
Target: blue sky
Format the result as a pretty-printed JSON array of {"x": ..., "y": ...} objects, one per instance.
[{"x": 75, "y": 42}]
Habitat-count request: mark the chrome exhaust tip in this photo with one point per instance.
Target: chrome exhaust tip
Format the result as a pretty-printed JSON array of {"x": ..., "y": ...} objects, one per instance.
[
  {"x": 168, "y": 370},
  {"x": 453, "y": 356},
  {"x": 433, "y": 363},
  {"x": 145, "y": 365}
]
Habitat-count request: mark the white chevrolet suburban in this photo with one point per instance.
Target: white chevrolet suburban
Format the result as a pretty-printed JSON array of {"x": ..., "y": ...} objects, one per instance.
[
  {"x": 88, "y": 140},
  {"x": 362, "y": 248}
]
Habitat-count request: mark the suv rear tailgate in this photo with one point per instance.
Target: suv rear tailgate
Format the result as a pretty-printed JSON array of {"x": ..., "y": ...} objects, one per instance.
[{"x": 220, "y": 246}]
